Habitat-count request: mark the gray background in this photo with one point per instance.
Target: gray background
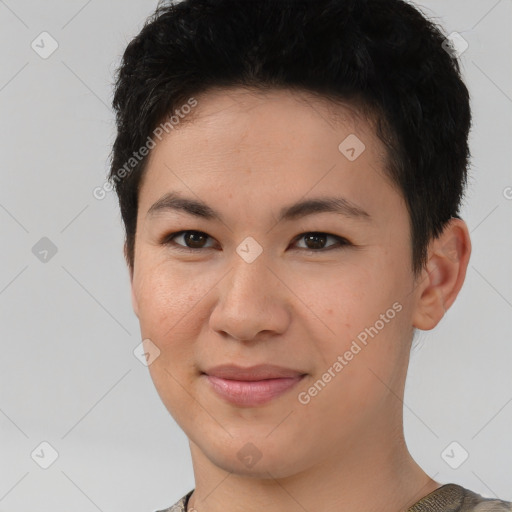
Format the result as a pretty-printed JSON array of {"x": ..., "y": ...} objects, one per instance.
[{"x": 68, "y": 375}]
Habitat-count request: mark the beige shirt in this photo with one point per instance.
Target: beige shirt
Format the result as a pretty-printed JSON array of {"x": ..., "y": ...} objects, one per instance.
[{"x": 448, "y": 498}]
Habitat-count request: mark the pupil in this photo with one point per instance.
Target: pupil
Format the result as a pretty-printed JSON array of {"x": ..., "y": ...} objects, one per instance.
[
  {"x": 190, "y": 239},
  {"x": 316, "y": 245}
]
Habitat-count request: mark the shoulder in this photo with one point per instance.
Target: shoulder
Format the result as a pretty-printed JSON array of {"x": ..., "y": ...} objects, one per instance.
[
  {"x": 469, "y": 501},
  {"x": 473, "y": 502},
  {"x": 179, "y": 506},
  {"x": 455, "y": 498}
]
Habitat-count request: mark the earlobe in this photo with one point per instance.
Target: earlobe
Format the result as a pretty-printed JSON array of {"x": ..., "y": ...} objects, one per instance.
[{"x": 444, "y": 275}]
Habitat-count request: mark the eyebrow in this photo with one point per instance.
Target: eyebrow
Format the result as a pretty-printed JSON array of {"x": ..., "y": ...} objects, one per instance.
[{"x": 173, "y": 201}]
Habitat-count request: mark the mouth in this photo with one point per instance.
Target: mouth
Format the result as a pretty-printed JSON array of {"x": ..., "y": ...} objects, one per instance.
[
  {"x": 250, "y": 387},
  {"x": 250, "y": 393}
]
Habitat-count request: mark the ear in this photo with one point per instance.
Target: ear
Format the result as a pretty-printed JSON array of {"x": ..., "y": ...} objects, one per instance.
[
  {"x": 135, "y": 304},
  {"x": 441, "y": 280}
]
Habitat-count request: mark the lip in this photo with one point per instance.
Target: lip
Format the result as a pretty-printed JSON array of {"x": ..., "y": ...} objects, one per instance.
[
  {"x": 251, "y": 373},
  {"x": 251, "y": 386}
]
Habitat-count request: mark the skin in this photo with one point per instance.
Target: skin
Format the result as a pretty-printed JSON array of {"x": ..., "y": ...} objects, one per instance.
[{"x": 247, "y": 155}]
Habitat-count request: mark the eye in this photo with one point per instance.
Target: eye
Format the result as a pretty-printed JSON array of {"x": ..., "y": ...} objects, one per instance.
[
  {"x": 195, "y": 240},
  {"x": 315, "y": 241}
]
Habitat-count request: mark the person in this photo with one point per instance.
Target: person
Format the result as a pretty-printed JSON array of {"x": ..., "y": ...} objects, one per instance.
[{"x": 290, "y": 175}]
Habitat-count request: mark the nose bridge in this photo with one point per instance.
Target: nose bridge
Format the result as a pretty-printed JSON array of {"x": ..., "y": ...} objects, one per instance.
[
  {"x": 250, "y": 278},
  {"x": 249, "y": 301}
]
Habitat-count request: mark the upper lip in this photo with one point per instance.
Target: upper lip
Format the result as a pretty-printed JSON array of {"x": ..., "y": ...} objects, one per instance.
[{"x": 258, "y": 372}]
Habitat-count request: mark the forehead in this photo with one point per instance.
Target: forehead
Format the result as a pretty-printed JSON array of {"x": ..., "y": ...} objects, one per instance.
[
  {"x": 277, "y": 144},
  {"x": 241, "y": 105},
  {"x": 238, "y": 116}
]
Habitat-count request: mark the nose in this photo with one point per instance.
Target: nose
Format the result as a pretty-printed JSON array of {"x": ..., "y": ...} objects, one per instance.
[{"x": 252, "y": 302}]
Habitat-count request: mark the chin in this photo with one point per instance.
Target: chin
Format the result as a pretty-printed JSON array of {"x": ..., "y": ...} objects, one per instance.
[{"x": 258, "y": 456}]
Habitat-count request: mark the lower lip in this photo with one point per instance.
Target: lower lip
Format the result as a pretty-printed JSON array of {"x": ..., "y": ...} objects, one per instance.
[{"x": 251, "y": 393}]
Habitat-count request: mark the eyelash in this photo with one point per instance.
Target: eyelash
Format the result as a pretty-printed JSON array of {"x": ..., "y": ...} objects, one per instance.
[{"x": 168, "y": 240}]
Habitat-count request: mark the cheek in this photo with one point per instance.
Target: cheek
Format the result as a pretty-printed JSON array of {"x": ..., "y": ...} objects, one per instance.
[
  {"x": 365, "y": 311},
  {"x": 170, "y": 315},
  {"x": 365, "y": 307},
  {"x": 169, "y": 300}
]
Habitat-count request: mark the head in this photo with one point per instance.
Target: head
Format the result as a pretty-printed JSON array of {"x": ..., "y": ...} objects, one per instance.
[{"x": 245, "y": 109}]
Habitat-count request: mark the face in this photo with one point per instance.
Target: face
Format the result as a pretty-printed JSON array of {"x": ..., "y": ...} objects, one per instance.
[{"x": 247, "y": 280}]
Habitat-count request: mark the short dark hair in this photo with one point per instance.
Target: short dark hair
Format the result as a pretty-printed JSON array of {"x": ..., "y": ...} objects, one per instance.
[{"x": 384, "y": 56}]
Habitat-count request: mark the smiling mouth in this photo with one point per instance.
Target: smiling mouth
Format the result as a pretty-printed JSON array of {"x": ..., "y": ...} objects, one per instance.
[{"x": 251, "y": 393}]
